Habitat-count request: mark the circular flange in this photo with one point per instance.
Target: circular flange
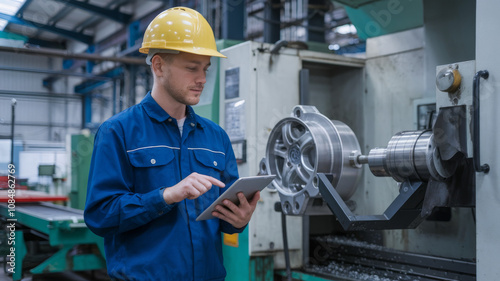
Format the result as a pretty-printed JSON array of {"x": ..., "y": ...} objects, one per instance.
[{"x": 303, "y": 145}]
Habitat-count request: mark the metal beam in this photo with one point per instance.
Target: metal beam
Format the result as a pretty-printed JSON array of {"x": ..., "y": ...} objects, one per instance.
[
  {"x": 316, "y": 22},
  {"x": 60, "y": 15},
  {"x": 233, "y": 16},
  {"x": 69, "y": 55},
  {"x": 272, "y": 24},
  {"x": 110, "y": 14},
  {"x": 47, "y": 44},
  {"x": 54, "y": 72},
  {"x": 43, "y": 124},
  {"x": 93, "y": 19},
  {"x": 86, "y": 110},
  {"x": 42, "y": 95},
  {"x": 121, "y": 36},
  {"x": 12, "y": 125},
  {"x": 54, "y": 19},
  {"x": 118, "y": 38},
  {"x": 24, "y": 6},
  {"x": 88, "y": 86},
  {"x": 63, "y": 32}
]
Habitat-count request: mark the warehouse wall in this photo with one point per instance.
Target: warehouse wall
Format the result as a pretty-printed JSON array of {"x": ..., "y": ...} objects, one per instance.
[{"x": 40, "y": 113}]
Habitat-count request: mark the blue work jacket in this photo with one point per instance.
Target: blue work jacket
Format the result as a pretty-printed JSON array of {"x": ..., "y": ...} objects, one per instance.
[{"x": 137, "y": 153}]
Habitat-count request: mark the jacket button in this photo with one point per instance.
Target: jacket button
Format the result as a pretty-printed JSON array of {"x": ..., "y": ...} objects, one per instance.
[
  {"x": 169, "y": 119},
  {"x": 192, "y": 124},
  {"x": 215, "y": 163},
  {"x": 153, "y": 161}
]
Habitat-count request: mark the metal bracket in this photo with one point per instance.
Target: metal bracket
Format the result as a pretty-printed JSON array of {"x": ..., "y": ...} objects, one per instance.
[
  {"x": 404, "y": 212},
  {"x": 449, "y": 131}
]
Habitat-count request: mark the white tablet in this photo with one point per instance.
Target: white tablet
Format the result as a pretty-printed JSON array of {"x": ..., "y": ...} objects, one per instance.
[{"x": 247, "y": 185}]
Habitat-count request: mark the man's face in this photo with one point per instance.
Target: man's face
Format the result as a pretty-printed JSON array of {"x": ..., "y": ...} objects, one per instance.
[{"x": 185, "y": 76}]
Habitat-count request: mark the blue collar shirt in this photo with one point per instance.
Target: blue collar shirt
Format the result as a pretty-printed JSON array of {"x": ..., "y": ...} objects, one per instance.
[{"x": 137, "y": 153}]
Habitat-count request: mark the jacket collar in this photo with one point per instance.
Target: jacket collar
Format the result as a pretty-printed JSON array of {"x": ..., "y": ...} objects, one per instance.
[{"x": 155, "y": 111}]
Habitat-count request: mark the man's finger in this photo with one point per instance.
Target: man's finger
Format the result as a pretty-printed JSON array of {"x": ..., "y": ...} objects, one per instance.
[
  {"x": 255, "y": 198},
  {"x": 214, "y": 181},
  {"x": 193, "y": 193},
  {"x": 202, "y": 188},
  {"x": 205, "y": 182},
  {"x": 243, "y": 199},
  {"x": 230, "y": 205},
  {"x": 222, "y": 210}
]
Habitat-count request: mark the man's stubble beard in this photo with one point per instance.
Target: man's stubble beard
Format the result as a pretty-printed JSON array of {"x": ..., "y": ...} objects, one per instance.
[{"x": 179, "y": 95}]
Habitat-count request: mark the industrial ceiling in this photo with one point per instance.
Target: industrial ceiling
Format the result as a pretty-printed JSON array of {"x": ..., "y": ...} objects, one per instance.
[{"x": 50, "y": 23}]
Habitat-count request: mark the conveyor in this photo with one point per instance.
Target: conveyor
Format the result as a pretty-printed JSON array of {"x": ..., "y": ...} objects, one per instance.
[{"x": 62, "y": 227}]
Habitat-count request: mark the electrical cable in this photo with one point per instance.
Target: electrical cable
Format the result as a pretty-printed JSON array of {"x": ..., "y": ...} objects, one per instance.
[
  {"x": 285, "y": 247},
  {"x": 277, "y": 208}
]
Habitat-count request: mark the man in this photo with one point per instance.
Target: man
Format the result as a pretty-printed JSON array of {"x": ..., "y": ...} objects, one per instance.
[{"x": 157, "y": 165}]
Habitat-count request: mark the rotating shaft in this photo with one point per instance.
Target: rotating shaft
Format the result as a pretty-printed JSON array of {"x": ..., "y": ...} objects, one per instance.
[{"x": 410, "y": 155}]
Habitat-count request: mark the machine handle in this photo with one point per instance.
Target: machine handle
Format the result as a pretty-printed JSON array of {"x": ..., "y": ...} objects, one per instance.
[{"x": 485, "y": 168}]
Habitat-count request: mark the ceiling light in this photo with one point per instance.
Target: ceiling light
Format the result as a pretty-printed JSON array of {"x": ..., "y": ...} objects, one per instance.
[{"x": 346, "y": 29}]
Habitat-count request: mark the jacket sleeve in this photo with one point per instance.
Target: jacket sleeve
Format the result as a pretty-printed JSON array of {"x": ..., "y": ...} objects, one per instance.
[
  {"x": 112, "y": 206},
  {"x": 230, "y": 175}
]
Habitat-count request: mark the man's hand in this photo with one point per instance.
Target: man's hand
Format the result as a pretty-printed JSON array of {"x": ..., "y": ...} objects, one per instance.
[
  {"x": 192, "y": 187},
  {"x": 237, "y": 216}
]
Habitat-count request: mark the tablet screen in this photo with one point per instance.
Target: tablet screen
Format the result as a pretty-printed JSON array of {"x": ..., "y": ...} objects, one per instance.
[{"x": 247, "y": 185}]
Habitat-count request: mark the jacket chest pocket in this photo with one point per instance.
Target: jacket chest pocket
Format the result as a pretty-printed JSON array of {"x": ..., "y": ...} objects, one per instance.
[
  {"x": 153, "y": 165},
  {"x": 209, "y": 163}
]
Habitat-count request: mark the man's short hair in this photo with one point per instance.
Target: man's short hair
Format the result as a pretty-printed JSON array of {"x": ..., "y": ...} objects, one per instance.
[{"x": 153, "y": 52}]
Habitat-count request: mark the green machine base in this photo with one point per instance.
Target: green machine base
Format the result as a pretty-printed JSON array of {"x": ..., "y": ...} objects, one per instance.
[{"x": 62, "y": 228}]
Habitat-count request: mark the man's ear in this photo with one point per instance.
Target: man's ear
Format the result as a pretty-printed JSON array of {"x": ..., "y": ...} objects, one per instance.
[{"x": 156, "y": 63}]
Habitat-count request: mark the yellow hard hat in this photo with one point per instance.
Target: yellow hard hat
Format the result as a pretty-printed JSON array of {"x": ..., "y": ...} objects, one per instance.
[{"x": 179, "y": 29}]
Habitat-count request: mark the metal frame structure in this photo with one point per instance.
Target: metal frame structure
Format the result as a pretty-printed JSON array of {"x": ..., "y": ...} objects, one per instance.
[
  {"x": 111, "y": 14},
  {"x": 404, "y": 212},
  {"x": 63, "y": 32},
  {"x": 62, "y": 227}
]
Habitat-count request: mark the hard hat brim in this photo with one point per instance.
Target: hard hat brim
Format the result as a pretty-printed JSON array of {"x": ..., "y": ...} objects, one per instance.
[{"x": 196, "y": 51}]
